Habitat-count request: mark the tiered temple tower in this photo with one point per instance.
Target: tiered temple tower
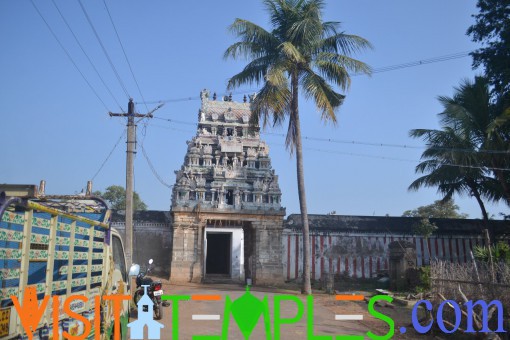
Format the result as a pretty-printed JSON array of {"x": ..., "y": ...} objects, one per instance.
[{"x": 226, "y": 203}]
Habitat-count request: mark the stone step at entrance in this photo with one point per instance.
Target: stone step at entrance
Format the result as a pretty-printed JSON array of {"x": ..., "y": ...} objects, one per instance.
[{"x": 220, "y": 278}]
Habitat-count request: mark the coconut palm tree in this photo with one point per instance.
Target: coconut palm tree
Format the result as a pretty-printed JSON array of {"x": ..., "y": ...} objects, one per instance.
[
  {"x": 301, "y": 52},
  {"x": 460, "y": 158},
  {"x": 453, "y": 169},
  {"x": 473, "y": 114}
]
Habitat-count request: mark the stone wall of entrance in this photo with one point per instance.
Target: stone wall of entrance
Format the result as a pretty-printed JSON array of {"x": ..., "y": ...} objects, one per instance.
[
  {"x": 262, "y": 244},
  {"x": 227, "y": 181},
  {"x": 355, "y": 246},
  {"x": 152, "y": 238}
]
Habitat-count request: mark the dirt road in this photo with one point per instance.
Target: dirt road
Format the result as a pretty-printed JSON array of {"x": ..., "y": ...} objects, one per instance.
[{"x": 318, "y": 317}]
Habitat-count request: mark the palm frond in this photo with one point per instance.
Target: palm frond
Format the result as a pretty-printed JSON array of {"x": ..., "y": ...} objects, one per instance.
[
  {"x": 291, "y": 138},
  {"x": 325, "y": 98},
  {"x": 335, "y": 68},
  {"x": 499, "y": 122},
  {"x": 291, "y": 53},
  {"x": 255, "y": 38},
  {"x": 346, "y": 44},
  {"x": 271, "y": 103},
  {"x": 253, "y": 73},
  {"x": 330, "y": 28},
  {"x": 245, "y": 49},
  {"x": 309, "y": 28}
]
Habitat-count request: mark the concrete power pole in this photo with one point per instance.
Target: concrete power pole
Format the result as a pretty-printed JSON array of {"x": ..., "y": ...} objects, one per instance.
[{"x": 130, "y": 152}]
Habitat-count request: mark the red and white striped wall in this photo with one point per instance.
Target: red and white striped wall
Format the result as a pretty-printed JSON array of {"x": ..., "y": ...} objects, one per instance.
[{"x": 363, "y": 255}]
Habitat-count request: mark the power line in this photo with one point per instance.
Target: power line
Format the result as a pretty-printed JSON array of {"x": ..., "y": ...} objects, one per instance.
[
  {"x": 403, "y": 146},
  {"x": 420, "y": 62},
  {"x": 376, "y": 70},
  {"x": 104, "y": 49},
  {"x": 85, "y": 53},
  {"x": 400, "y": 159},
  {"x": 125, "y": 55},
  {"x": 364, "y": 155},
  {"x": 352, "y": 142},
  {"x": 151, "y": 166},
  {"x": 68, "y": 55},
  {"x": 109, "y": 155},
  {"x": 176, "y": 121},
  {"x": 184, "y": 99}
]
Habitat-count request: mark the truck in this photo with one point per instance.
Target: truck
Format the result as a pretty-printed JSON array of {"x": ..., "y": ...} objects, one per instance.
[{"x": 62, "y": 268}]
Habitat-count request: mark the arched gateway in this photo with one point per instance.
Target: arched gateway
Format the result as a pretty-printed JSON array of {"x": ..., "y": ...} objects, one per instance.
[{"x": 226, "y": 212}]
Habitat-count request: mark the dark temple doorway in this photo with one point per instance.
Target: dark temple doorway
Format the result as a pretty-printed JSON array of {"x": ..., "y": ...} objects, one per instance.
[{"x": 218, "y": 253}]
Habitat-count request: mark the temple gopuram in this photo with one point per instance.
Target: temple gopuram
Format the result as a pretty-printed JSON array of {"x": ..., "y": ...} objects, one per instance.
[{"x": 226, "y": 203}]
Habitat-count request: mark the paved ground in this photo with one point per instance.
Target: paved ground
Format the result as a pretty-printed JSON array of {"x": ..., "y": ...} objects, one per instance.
[{"x": 325, "y": 307}]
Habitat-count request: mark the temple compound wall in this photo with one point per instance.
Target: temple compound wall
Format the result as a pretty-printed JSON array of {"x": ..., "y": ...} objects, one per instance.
[
  {"x": 226, "y": 213},
  {"x": 358, "y": 246},
  {"x": 353, "y": 246},
  {"x": 152, "y": 238}
]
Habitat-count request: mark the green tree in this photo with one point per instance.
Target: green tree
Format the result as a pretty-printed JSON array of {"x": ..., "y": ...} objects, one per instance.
[
  {"x": 300, "y": 53},
  {"x": 456, "y": 157},
  {"x": 492, "y": 30},
  {"x": 116, "y": 197},
  {"x": 438, "y": 209}
]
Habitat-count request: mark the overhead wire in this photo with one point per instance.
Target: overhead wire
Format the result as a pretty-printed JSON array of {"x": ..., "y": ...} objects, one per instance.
[
  {"x": 382, "y": 69},
  {"x": 104, "y": 49},
  {"x": 352, "y": 142},
  {"x": 125, "y": 54},
  {"x": 86, "y": 54},
  {"x": 183, "y": 99},
  {"x": 153, "y": 169},
  {"x": 399, "y": 159},
  {"x": 420, "y": 62},
  {"x": 109, "y": 155},
  {"x": 68, "y": 55},
  {"x": 364, "y": 155}
]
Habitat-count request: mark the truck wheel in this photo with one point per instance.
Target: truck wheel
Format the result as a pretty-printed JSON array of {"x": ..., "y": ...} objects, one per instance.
[
  {"x": 158, "y": 311},
  {"x": 138, "y": 295}
]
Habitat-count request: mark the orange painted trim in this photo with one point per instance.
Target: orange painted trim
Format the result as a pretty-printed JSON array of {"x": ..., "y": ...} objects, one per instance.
[
  {"x": 205, "y": 297},
  {"x": 350, "y": 297}
]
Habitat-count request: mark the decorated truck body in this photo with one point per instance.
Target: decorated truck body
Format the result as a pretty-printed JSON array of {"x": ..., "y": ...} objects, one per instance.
[{"x": 60, "y": 266}]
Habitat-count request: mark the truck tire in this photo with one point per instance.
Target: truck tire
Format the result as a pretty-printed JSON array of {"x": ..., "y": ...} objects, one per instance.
[
  {"x": 137, "y": 296},
  {"x": 158, "y": 311}
]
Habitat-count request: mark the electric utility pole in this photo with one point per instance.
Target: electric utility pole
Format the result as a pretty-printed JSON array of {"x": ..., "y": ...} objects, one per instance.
[{"x": 130, "y": 152}]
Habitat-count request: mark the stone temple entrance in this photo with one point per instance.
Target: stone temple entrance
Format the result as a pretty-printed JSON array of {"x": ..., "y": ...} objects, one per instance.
[
  {"x": 218, "y": 254},
  {"x": 224, "y": 253},
  {"x": 227, "y": 219}
]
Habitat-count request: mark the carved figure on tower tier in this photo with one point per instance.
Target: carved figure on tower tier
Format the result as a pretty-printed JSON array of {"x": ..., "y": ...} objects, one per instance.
[
  {"x": 257, "y": 185},
  {"x": 200, "y": 181},
  {"x": 226, "y": 180},
  {"x": 216, "y": 157},
  {"x": 207, "y": 149},
  {"x": 251, "y": 152}
]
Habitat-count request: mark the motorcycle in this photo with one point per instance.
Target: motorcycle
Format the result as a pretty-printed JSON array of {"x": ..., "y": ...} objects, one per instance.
[{"x": 154, "y": 289}]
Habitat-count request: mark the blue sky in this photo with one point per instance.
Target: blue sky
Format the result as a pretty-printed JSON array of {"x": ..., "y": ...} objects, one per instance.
[{"x": 54, "y": 127}]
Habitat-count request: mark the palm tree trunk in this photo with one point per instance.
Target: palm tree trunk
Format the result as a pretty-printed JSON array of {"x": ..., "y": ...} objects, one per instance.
[
  {"x": 307, "y": 287},
  {"x": 475, "y": 193}
]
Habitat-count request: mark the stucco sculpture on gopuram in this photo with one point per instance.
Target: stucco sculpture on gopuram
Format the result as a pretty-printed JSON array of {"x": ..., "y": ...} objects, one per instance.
[{"x": 227, "y": 184}]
